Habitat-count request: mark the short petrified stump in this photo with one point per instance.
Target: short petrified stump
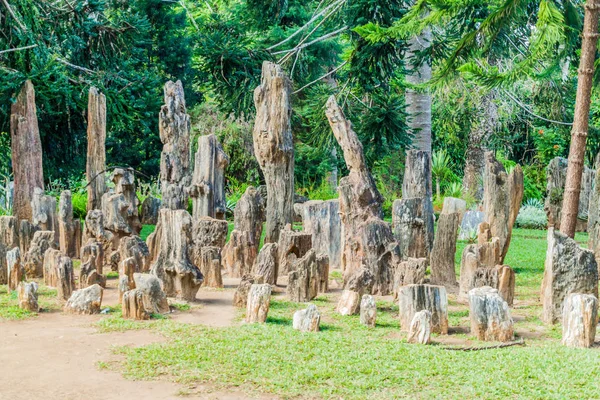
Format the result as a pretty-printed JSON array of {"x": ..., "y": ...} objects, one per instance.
[
  {"x": 132, "y": 305},
  {"x": 490, "y": 316},
  {"x": 415, "y": 298},
  {"x": 15, "y": 270},
  {"x": 420, "y": 328},
  {"x": 240, "y": 297},
  {"x": 267, "y": 263},
  {"x": 409, "y": 272},
  {"x": 368, "y": 311},
  {"x": 580, "y": 317},
  {"x": 303, "y": 279},
  {"x": 155, "y": 300},
  {"x": 259, "y": 299},
  {"x": 27, "y": 295},
  {"x": 359, "y": 283},
  {"x": 307, "y": 320},
  {"x": 210, "y": 266},
  {"x": 85, "y": 301}
]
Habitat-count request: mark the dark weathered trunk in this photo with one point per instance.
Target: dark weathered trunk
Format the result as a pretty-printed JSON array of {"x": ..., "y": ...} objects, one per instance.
[
  {"x": 26, "y": 151},
  {"x": 274, "y": 147},
  {"x": 96, "y": 151},
  {"x": 579, "y": 132}
]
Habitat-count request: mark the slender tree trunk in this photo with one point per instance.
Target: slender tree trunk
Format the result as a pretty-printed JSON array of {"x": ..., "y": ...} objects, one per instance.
[
  {"x": 437, "y": 188},
  {"x": 418, "y": 104},
  {"x": 579, "y": 131}
]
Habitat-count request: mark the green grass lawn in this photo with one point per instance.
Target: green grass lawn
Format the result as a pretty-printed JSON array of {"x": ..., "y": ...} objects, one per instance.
[{"x": 347, "y": 360}]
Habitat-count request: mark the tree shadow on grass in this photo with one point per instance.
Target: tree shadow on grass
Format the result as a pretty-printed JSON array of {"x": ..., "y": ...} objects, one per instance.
[{"x": 279, "y": 321}]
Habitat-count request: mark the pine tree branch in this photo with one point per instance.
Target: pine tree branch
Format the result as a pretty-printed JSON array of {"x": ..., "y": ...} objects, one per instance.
[
  {"x": 18, "y": 49},
  {"x": 319, "y": 39},
  {"x": 526, "y": 109},
  {"x": 11, "y": 12},
  {"x": 68, "y": 64}
]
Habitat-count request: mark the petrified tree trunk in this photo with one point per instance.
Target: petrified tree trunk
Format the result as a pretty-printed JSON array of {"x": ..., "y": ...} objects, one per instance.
[
  {"x": 34, "y": 258},
  {"x": 150, "y": 207},
  {"x": 239, "y": 254},
  {"x": 579, "y": 320},
  {"x": 132, "y": 305},
  {"x": 174, "y": 126},
  {"x": 92, "y": 260},
  {"x": 368, "y": 311},
  {"x": 292, "y": 246},
  {"x": 14, "y": 270},
  {"x": 208, "y": 190},
  {"x": 135, "y": 248},
  {"x": 410, "y": 227},
  {"x": 259, "y": 299},
  {"x": 443, "y": 272},
  {"x": 568, "y": 269},
  {"x": 496, "y": 202},
  {"x": 594, "y": 217},
  {"x": 477, "y": 266},
  {"x": 359, "y": 283},
  {"x": 240, "y": 297},
  {"x": 414, "y": 298},
  {"x": 9, "y": 232},
  {"x": 124, "y": 180},
  {"x": 307, "y": 320},
  {"x": 27, "y": 295},
  {"x": 26, "y": 151},
  {"x": 94, "y": 232},
  {"x": 303, "y": 279},
  {"x": 417, "y": 184},
  {"x": 579, "y": 131},
  {"x": 85, "y": 301},
  {"x": 154, "y": 299},
  {"x": 249, "y": 214},
  {"x": 506, "y": 283},
  {"x": 66, "y": 225},
  {"x": 322, "y": 220},
  {"x": 180, "y": 277},
  {"x": 420, "y": 328},
  {"x": 43, "y": 208},
  {"x": 489, "y": 314},
  {"x": 116, "y": 217},
  {"x": 409, "y": 272},
  {"x": 210, "y": 266},
  {"x": 26, "y": 232},
  {"x": 274, "y": 147},
  {"x": 96, "y": 150},
  {"x": 516, "y": 189},
  {"x": 267, "y": 263},
  {"x": 365, "y": 241},
  {"x": 58, "y": 273}
]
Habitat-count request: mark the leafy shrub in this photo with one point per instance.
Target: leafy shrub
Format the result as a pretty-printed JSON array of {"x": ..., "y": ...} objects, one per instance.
[
  {"x": 79, "y": 201},
  {"x": 531, "y": 217}
]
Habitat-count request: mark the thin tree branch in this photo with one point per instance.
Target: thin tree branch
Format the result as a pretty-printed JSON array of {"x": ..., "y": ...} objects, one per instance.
[
  {"x": 321, "y": 77},
  {"x": 526, "y": 109},
  {"x": 18, "y": 49},
  {"x": 182, "y": 3},
  {"x": 11, "y": 12},
  {"x": 319, "y": 39},
  {"x": 520, "y": 342},
  {"x": 68, "y": 64},
  {"x": 335, "y": 3}
]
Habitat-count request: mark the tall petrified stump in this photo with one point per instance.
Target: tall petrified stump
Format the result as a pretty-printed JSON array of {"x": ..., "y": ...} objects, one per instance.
[
  {"x": 490, "y": 316},
  {"x": 69, "y": 229},
  {"x": 259, "y": 300},
  {"x": 34, "y": 258},
  {"x": 9, "y": 239},
  {"x": 360, "y": 210},
  {"x": 96, "y": 149},
  {"x": 444, "y": 250},
  {"x": 568, "y": 269},
  {"x": 274, "y": 147},
  {"x": 180, "y": 277},
  {"x": 45, "y": 217},
  {"x": 303, "y": 279},
  {"x": 208, "y": 190},
  {"x": 26, "y": 151},
  {"x": 413, "y": 214},
  {"x": 292, "y": 246},
  {"x": 174, "y": 126}
]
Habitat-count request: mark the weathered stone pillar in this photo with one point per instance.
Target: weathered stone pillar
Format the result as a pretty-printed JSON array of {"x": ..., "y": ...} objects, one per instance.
[
  {"x": 409, "y": 272},
  {"x": 66, "y": 225},
  {"x": 96, "y": 149},
  {"x": 274, "y": 147},
  {"x": 579, "y": 320},
  {"x": 292, "y": 246},
  {"x": 28, "y": 297},
  {"x": 154, "y": 298},
  {"x": 414, "y": 298},
  {"x": 420, "y": 328},
  {"x": 14, "y": 270},
  {"x": 43, "y": 208},
  {"x": 208, "y": 189},
  {"x": 180, "y": 277},
  {"x": 92, "y": 261},
  {"x": 366, "y": 239},
  {"x": 210, "y": 266},
  {"x": 26, "y": 151},
  {"x": 303, "y": 279},
  {"x": 568, "y": 269},
  {"x": 124, "y": 180},
  {"x": 444, "y": 250},
  {"x": 132, "y": 305},
  {"x": 267, "y": 263},
  {"x": 359, "y": 283},
  {"x": 26, "y": 231},
  {"x": 58, "y": 273},
  {"x": 368, "y": 311},
  {"x": 489, "y": 314},
  {"x": 34, "y": 258},
  {"x": 259, "y": 300},
  {"x": 150, "y": 207},
  {"x": 174, "y": 126},
  {"x": 322, "y": 220}
]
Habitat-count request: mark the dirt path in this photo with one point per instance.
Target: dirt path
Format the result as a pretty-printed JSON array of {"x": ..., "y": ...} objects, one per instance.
[{"x": 55, "y": 356}]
